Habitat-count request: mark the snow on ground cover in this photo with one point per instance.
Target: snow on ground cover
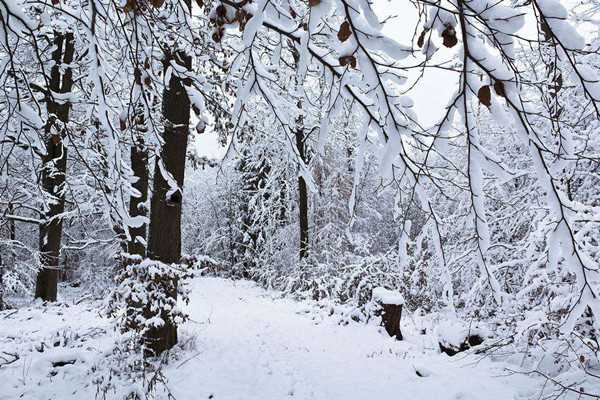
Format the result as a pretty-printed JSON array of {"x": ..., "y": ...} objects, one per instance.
[
  {"x": 250, "y": 344},
  {"x": 453, "y": 332},
  {"x": 56, "y": 345}
]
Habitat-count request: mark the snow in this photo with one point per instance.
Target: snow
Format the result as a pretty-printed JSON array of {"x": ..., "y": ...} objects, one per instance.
[
  {"x": 387, "y": 296},
  {"x": 556, "y": 16},
  {"x": 253, "y": 25},
  {"x": 454, "y": 332},
  {"x": 251, "y": 344}
]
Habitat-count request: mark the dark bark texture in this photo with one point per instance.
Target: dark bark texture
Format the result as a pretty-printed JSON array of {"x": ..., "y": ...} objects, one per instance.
[
  {"x": 164, "y": 236},
  {"x": 137, "y": 205},
  {"x": 9, "y": 256},
  {"x": 302, "y": 197},
  {"x": 54, "y": 167},
  {"x": 390, "y": 318}
]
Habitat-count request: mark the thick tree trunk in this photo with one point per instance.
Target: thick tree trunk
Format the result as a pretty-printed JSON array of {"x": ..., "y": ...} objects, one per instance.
[
  {"x": 390, "y": 318},
  {"x": 302, "y": 198},
  {"x": 54, "y": 167},
  {"x": 164, "y": 236}
]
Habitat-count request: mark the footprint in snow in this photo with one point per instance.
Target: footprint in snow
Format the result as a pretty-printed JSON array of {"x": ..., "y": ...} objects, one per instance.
[{"x": 422, "y": 372}]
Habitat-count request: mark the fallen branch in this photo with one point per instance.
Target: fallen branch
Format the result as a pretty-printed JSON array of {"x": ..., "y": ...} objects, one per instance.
[{"x": 8, "y": 358}]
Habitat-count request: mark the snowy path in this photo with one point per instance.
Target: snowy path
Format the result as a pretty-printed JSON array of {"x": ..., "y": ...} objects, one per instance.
[
  {"x": 250, "y": 345},
  {"x": 246, "y": 344}
]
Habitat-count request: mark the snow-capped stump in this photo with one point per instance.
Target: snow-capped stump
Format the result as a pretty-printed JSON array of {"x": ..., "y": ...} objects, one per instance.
[
  {"x": 454, "y": 337},
  {"x": 391, "y": 309}
]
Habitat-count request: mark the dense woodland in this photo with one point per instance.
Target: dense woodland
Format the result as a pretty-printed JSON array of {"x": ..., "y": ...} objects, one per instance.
[{"x": 330, "y": 186}]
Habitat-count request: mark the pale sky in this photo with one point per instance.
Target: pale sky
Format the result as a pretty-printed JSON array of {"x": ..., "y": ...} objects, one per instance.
[
  {"x": 432, "y": 93},
  {"x": 430, "y": 96}
]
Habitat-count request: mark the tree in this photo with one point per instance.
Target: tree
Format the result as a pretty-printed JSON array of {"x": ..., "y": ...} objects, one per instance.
[
  {"x": 54, "y": 164},
  {"x": 499, "y": 193},
  {"x": 164, "y": 236},
  {"x": 301, "y": 145}
]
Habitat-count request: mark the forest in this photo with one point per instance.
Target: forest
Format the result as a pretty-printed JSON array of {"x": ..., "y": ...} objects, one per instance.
[{"x": 314, "y": 199}]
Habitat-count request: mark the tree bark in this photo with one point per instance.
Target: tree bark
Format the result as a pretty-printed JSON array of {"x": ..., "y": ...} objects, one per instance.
[
  {"x": 137, "y": 205},
  {"x": 390, "y": 318},
  {"x": 164, "y": 237},
  {"x": 302, "y": 197},
  {"x": 1, "y": 282},
  {"x": 139, "y": 166},
  {"x": 54, "y": 167},
  {"x": 9, "y": 259}
]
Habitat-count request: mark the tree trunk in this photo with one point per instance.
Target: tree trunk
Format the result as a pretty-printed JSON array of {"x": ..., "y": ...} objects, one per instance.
[
  {"x": 54, "y": 167},
  {"x": 9, "y": 259},
  {"x": 137, "y": 205},
  {"x": 164, "y": 237},
  {"x": 2, "y": 268},
  {"x": 139, "y": 166},
  {"x": 390, "y": 318},
  {"x": 1, "y": 282},
  {"x": 302, "y": 198}
]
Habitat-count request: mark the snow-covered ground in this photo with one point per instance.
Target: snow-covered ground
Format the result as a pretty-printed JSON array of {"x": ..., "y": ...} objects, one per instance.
[{"x": 248, "y": 344}]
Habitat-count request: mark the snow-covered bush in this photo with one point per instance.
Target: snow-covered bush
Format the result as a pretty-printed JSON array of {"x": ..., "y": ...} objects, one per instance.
[{"x": 144, "y": 299}]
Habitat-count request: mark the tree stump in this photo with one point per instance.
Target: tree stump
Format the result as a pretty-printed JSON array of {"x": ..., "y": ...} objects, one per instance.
[
  {"x": 390, "y": 318},
  {"x": 391, "y": 310},
  {"x": 452, "y": 349},
  {"x": 454, "y": 336}
]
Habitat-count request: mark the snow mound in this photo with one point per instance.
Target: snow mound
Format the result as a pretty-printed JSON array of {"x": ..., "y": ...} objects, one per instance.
[
  {"x": 454, "y": 336},
  {"x": 387, "y": 296}
]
